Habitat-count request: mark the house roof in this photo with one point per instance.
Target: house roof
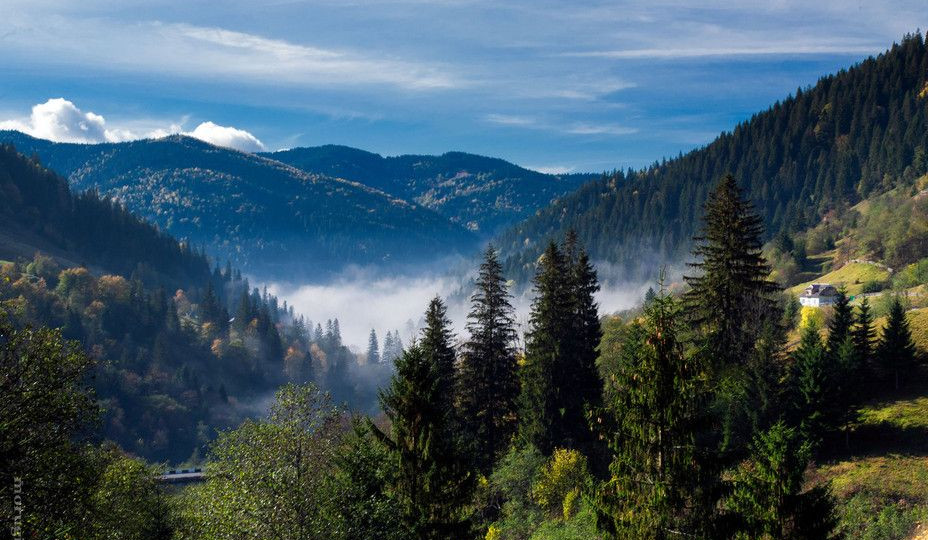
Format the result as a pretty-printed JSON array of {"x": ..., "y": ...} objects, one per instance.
[{"x": 818, "y": 290}]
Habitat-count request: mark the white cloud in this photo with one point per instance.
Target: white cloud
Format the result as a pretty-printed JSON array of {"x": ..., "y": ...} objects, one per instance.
[
  {"x": 737, "y": 50},
  {"x": 599, "y": 129},
  {"x": 510, "y": 120},
  {"x": 227, "y": 136},
  {"x": 205, "y": 52},
  {"x": 553, "y": 169},
  {"x": 61, "y": 120}
]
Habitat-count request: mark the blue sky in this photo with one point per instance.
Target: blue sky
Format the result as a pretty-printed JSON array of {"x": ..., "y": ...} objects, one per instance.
[{"x": 555, "y": 86}]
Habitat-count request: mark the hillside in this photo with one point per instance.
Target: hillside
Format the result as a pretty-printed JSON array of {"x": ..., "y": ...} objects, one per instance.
[
  {"x": 181, "y": 349},
  {"x": 268, "y": 218},
  {"x": 481, "y": 193},
  {"x": 854, "y": 134}
]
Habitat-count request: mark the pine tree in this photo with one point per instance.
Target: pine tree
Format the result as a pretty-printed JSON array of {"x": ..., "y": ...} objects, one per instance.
[
  {"x": 731, "y": 297},
  {"x": 436, "y": 343},
  {"x": 809, "y": 385},
  {"x": 663, "y": 482},
  {"x": 768, "y": 500},
  {"x": 488, "y": 383},
  {"x": 585, "y": 387},
  {"x": 387, "y": 355},
  {"x": 373, "y": 350},
  {"x": 544, "y": 373},
  {"x": 433, "y": 483},
  {"x": 864, "y": 335},
  {"x": 896, "y": 351},
  {"x": 209, "y": 306},
  {"x": 841, "y": 326}
]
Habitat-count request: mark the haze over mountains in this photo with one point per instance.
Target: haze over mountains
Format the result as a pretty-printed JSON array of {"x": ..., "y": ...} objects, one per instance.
[
  {"x": 308, "y": 213},
  {"x": 484, "y": 194}
]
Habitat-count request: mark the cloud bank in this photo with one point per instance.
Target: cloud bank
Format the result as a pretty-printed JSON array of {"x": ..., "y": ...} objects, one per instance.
[{"x": 61, "y": 120}]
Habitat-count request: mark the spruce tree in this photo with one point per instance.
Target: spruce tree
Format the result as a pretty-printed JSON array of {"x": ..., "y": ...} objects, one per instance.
[
  {"x": 436, "y": 342},
  {"x": 387, "y": 355},
  {"x": 864, "y": 334},
  {"x": 730, "y": 297},
  {"x": 768, "y": 500},
  {"x": 585, "y": 385},
  {"x": 663, "y": 481},
  {"x": 896, "y": 350},
  {"x": 373, "y": 349},
  {"x": 808, "y": 381},
  {"x": 488, "y": 383},
  {"x": 841, "y": 326},
  {"x": 544, "y": 374},
  {"x": 433, "y": 482}
]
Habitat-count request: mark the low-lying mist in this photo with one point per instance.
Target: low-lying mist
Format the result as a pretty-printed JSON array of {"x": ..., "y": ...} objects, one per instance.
[{"x": 362, "y": 301}]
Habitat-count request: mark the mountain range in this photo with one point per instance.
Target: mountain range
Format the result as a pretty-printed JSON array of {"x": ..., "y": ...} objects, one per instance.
[
  {"x": 481, "y": 193},
  {"x": 306, "y": 214}
]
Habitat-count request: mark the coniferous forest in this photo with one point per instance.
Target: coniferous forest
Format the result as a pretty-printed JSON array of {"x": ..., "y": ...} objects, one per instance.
[{"x": 771, "y": 383}]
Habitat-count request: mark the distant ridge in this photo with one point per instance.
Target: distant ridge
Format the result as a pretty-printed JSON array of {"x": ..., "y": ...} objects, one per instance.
[
  {"x": 269, "y": 218},
  {"x": 484, "y": 194}
]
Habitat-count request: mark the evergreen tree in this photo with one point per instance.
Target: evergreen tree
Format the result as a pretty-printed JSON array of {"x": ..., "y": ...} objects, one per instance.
[
  {"x": 841, "y": 326},
  {"x": 730, "y": 298},
  {"x": 585, "y": 387},
  {"x": 373, "y": 349},
  {"x": 209, "y": 306},
  {"x": 809, "y": 385},
  {"x": 544, "y": 372},
  {"x": 768, "y": 500},
  {"x": 488, "y": 383},
  {"x": 436, "y": 343},
  {"x": 388, "y": 347},
  {"x": 896, "y": 351},
  {"x": 864, "y": 334},
  {"x": 433, "y": 483},
  {"x": 663, "y": 483}
]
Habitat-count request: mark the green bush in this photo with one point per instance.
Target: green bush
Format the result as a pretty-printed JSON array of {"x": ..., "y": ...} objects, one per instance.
[{"x": 868, "y": 519}]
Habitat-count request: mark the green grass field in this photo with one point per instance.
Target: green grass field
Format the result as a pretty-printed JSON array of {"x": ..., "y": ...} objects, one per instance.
[
  {"x": 853, "y": 276},
  {"x": 881, "y": 477}
]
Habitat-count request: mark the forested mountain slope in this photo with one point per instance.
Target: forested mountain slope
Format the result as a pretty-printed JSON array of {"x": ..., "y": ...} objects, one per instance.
[
  {"x": 268, "y": 218},
  {"x": 482, "y": 193},
  {"x": 854, "y": 134},
  {"x": 181, "y": 349}
]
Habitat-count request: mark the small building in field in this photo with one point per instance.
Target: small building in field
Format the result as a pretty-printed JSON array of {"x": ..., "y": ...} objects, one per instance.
[{"x": 819, "y": 295}]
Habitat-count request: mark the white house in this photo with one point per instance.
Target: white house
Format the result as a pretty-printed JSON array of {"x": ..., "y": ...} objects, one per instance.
[{"x": 818, "y": 295}]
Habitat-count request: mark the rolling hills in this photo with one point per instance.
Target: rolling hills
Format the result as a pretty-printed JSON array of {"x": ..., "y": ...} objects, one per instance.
[
  {"x": 268, "y": 218},
  {"x": 481, "y": 193}
]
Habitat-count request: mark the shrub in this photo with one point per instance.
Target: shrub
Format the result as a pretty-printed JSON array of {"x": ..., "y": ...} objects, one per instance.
[{"x": 565, "y": 472}]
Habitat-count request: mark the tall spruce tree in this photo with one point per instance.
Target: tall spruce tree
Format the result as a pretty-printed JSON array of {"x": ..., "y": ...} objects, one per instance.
[
  {"x": 436, "y": 342},
  {"x": 896, "y": 351},
  {"x": 373, "y": 348},
  {"x": 432, "y": 482},
  {"x": 544, "y": 374},
  {"x": 585, "y": 388},
  {"x": 808, "y": 382},
  {"x": 663, "y": 481},
  {"x": 841, "y": 325},
  {"x": 488, "y": 383},
  {"x": 864, "y": 334},
  {"x": 730, "y": 297}
]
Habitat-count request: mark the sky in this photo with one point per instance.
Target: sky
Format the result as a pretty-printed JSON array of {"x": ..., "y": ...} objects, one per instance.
[{"x": 572, "y": 86}]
